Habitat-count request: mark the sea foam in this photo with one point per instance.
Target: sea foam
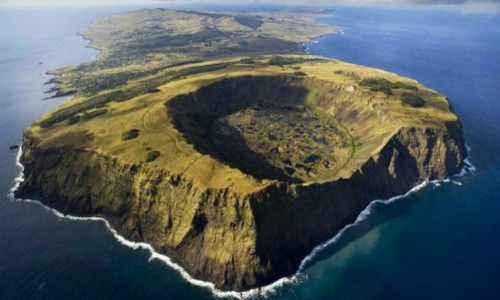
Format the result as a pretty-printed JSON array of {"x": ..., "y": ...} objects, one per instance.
[{"x": 264, "y": 291}]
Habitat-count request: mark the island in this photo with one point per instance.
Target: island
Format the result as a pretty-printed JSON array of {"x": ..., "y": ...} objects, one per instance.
[{"x": 214, "y": 138}]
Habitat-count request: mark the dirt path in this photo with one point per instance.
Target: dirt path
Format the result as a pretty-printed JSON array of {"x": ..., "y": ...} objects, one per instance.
[{"x": 150, "y": 127}]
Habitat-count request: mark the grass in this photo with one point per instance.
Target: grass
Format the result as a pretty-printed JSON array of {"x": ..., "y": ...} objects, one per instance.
[
  {"x": 294, "y": 143},
  {"x": 143, "y": 43},
  {"x": 157, "y": 130},
  {"x": 148, "y": 85}
]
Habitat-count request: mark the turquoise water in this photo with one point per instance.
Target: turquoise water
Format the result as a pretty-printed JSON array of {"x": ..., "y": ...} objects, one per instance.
[{"x": 441, "y": 242}]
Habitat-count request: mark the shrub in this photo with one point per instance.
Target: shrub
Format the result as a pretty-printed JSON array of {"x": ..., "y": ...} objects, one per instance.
[
  {"x": 247, "y": 61},
  {"x": 94, "y": 113},
  {"x": 412, "y": 100},
  {"x": 378, "y": 85},
  {"x": 74, "y": 119},
  {"x": 100, "y": 100},
  {"x": 131, "y": 134},
  {"x": 153, "y": 90},
  {"x": 280, "y": 60},
  {"x": 402, "y": 85},
  {"x": 385, "y": 86},
  {"x": 134, "y": 170},
  {"x": 250, "y": 22},
  {"x": 152, "y": 155},
  {"x": 299, "y": 73}
]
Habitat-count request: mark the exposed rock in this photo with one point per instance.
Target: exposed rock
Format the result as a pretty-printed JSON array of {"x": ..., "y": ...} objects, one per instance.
[
  {"x": 257, "y": 227},
  {"x": 236, "y": 241}
]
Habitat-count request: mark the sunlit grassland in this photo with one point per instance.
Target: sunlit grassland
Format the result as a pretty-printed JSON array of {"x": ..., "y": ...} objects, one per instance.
[{"x": 367, "y": 117}]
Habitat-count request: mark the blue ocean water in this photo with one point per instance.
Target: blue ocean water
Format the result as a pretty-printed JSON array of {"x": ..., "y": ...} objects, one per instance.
[{"x": 441, "y": 242}]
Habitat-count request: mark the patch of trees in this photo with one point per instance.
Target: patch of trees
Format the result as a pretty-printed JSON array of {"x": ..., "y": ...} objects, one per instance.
[
  {"x": 131, "y": 134},
  {"x": 250, "y": 22},
  {"x": 385, "y": 86},
  {"x": 412, "y": 100},
  {"x": 281, "y": 61},
  {"x": 127, "y": 93}
]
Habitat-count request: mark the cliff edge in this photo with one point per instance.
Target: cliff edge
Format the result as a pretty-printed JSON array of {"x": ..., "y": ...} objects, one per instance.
[{"x": 170, "y": 167}]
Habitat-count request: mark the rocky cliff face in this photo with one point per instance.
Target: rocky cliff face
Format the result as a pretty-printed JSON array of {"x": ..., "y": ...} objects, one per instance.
[{"x": 236, "y": 241}]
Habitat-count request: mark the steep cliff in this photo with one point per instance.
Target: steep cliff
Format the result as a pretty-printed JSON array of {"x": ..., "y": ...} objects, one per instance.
[
  {"x": 224, "y": 220},
  {"x": 236, "y": 241}
]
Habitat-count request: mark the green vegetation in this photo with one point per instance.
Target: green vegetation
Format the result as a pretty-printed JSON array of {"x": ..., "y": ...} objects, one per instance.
[
  {"x": 152, "y": 155},
  {"x": 144, "y": 43},
  {"x": 183, "y": 84},
  {"x": 251, "y": 22},
  {"x": 92, "y": 114},
  {"x": 74, "y": 119},
  {"x": 281, "y": 60},
  {"x": 197, "y": 70},
  {"x": 412, "y": 100},
  {"x": 306, "y": 145},
  {"x": 130, "y": 134},
  {"x": 247, "y": 61},
  {"x": 130, "y": 91},
  {"x": 263, "y": 126},
  {"x": 276, "y": 118},
  {"x": 385, "y": 86},
  {"x": 242, "y": 141}
]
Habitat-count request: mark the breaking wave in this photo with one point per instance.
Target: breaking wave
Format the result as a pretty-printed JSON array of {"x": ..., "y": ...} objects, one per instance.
[{"x": 256, "y": 292}]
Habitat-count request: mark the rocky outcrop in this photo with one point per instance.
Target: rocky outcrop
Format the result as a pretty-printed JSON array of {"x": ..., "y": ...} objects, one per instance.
[{"x": 236, "y": 241}]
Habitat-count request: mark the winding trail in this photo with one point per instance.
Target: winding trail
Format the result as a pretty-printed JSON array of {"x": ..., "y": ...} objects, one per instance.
[{"x": 151, "y": 127}]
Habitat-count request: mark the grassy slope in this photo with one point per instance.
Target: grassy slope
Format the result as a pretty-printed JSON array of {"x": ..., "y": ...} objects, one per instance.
[
  {"x": 144, "y": 42},
  {"x": 150, "y": 56},
  {"x": 369, "y": 117}
]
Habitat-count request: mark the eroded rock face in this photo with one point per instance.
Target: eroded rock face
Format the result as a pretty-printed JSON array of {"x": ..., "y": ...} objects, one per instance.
[
  {"x": 236, "y": 241},
  {"x": 259, "y": 166}
]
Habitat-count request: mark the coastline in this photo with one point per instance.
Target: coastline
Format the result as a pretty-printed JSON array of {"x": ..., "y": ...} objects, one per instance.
[
  {"x": 53, "y": 80},
  {"x": 260, "y": 291},
  {"x": 265, "y": 290},
  {"x": 316, "y": 40}
]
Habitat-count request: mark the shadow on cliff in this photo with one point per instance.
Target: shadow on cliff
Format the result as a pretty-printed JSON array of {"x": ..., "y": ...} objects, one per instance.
[{"x": 195, "y": 114}]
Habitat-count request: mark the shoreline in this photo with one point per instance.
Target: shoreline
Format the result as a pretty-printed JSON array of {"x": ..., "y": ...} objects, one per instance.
[
  {"x": 266, "y": 290},
  {"x": 261, "y": 291},
  {"x": 58, "y": 93},
  {"x": 53, "y": 80}
]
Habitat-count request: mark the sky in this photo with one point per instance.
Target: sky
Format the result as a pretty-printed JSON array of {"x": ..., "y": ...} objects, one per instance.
[{"x": 487, "y": 7}]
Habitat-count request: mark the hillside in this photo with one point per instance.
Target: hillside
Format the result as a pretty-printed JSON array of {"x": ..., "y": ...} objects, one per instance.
[{"x": 235, "y": 166}]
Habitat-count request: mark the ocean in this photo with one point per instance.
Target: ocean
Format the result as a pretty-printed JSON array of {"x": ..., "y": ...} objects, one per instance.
[{"x": 440, "y": 242}]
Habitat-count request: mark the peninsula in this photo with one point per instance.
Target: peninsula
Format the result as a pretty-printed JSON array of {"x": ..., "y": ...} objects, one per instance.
[{"x": 214, "y": 138}]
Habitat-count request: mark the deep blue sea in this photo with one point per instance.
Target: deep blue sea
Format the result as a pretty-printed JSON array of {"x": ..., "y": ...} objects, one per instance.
[{"x": 442, "y": 242}]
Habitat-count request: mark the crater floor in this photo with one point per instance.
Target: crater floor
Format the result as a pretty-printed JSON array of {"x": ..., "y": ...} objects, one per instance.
[
  {"x": 244, "y": 125},
  {"x": 283, "y": 142},
  {"x": 224, "y": 166}
]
